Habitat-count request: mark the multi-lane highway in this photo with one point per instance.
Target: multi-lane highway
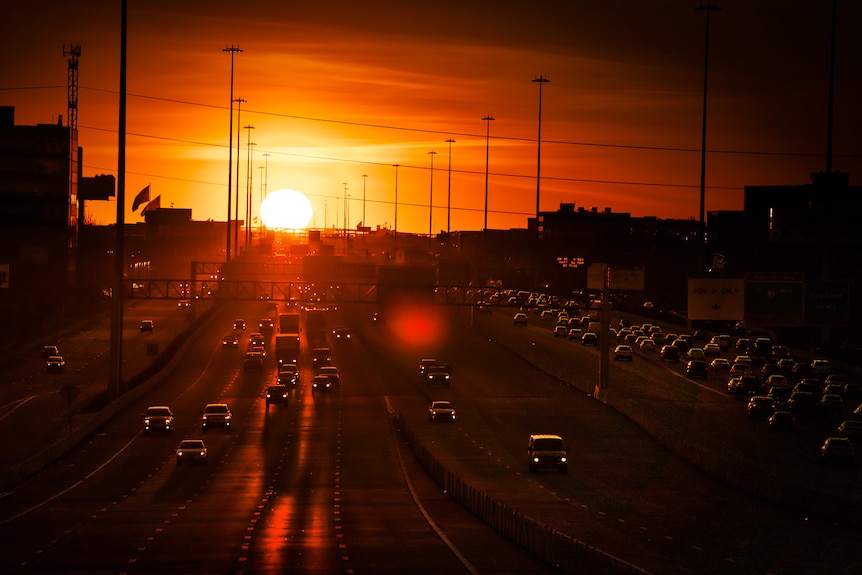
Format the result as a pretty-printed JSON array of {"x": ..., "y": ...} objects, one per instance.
[{"x": 327, "y": 484}]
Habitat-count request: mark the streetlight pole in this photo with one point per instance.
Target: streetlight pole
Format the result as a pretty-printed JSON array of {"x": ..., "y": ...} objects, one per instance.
[
  {"x": 232, "y": 50},
  {"x": 432, "y": 153},
  {"x": 239, "y": 103},
  {"x": 450, "y": 141},
  {"x": 487, "y": 120},
  {"x": 540, "y": 80},
  {"x": 345, "y": 208},
  {"x": 248, "y": 145},
  {"x": 709, "y": 7},
  {"x": 364, "y": 180},
  {"x": 395, "y": 226}
]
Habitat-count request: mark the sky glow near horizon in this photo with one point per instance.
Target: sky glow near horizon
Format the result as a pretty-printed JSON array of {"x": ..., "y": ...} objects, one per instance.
[{"x": 337, "y": 91}]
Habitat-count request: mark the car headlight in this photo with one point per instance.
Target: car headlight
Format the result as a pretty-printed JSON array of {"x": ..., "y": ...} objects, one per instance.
[
  {"x": 563, "y": 459},
  {"x": 535, "y": 459}
]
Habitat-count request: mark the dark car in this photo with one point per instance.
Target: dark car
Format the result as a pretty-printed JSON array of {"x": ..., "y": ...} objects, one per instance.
[
  {"x": 437, "y": 374},
  {"x": 49, "y": 350},
  {"x": 760, "y": 406},
  {"x": 159, "y": 418},
  {"x": 547, "y": 451},
  {"x": 216, "y": 415},
  {"x": 782, "y": 421},
  {"x": 669, "y": 353},
  {"x": 276, "y": 394},
  {"x": 697, "y": 368},
  {"x": 147, "y": 326}
]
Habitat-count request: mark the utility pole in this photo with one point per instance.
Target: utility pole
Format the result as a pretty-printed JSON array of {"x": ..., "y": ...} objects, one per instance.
[
  {"x": 248, "y": 130},
  {"x": 709, "y": 7},
  {"x": 487, "y": 119},
  {"x": 233, "y": 50},
  {"x": 364, "y": 180},
  {"x": 239, "y": 103},
  {"x": 450, "y": 141},
  {"x": 345, "y": 207},
  {"x": 395, "y": 226},
  {"x": 540, "y": 80},
  {"x": 432, "y": 153}
]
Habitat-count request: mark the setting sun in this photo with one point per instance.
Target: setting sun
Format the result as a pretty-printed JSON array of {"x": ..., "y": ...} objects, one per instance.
[{"x": 286, "y": 210}]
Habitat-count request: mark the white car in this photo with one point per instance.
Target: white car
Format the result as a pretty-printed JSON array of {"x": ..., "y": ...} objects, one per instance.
[
  {"x": 647, "y": 345},
  {"x": 623, "y": 352}
]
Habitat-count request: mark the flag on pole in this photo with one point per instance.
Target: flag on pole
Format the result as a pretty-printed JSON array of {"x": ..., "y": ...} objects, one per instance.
[
  {"x": 142, "y": 198},
  {"x": 154, "y": 205}
]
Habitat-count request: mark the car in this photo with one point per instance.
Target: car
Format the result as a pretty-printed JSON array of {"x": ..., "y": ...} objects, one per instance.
[
  {"x": 55, "y": 364},
  {"x": 49, "y": 350},
  {"x": 424, "y": 363},
  {"x": 760, "y": 406},
  {"x": 147, "y": 325},
  {"x": 669, "y": 353},
  {"x": 742, "y": 344},
  {"x": 183, "y": 303},
  {"x": 239, "y": 324},
  {"x": 821, "y": 368},
  {"x": 850, "y": 428},
  {"x": 575, "y": 334},
  {"x": 711, "y": 350},
  {"x": 341, "y": 334},
  {"x": 320, "y": 356},
  {"x": 229, "y": 342},
  {"x": 781, "y": 396},
  {"x": 159, "y": 418},
  {"x": 546, "y": 450},
  {"x": 695, "y": 353},
  {"x": 647, "y": 345},
  {"x": 332, "y": 373},
  {"x": 276, "y": 394},
  {"x": 437, "y": 374},
  {"x": 519, "y": 318},
  {"x": 321, "y": 383},
  {"x": 258, "y": 349},
  {"x": 191, "y": 451},
  {"x": 739, "y": 368},
  {"x": 441, "y": 410},
  {"x": 838, "y": 450},
  {"x": 288, "y": 374},
  {"x": 744, "y": 386},
  {"x": 782, "y": 421},
  {"x": 776, "y": 380},
  {"x": 253, "y": 360},
  {"x": 216, "y": 415},
  {"x": 256, "y": 339},
  {"x": 266, "y": 325},
  {"x": 719, "y": 365},
  {"x": 697, "y": 368},
  {"x": 561, "y": 331},
  {"x": 648, "y": 306},
  {"x": 831, "y": 405},
  {"x": 589, "y": 338},
  {"x": 623, "y": 352}
]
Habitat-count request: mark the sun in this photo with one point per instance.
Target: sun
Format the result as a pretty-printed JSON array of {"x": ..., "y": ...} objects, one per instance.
[{"x": 286, "y": 210}]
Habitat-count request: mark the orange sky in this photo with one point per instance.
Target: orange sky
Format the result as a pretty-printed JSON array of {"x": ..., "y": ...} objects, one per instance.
[{"x": 336, "y": 90}]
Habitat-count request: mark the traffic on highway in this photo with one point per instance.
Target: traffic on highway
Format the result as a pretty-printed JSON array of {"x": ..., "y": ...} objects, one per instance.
[{"x": 210, "y": 466}]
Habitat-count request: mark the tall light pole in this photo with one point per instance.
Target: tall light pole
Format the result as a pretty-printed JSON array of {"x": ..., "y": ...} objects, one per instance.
[
  {"x": 432, "y": 153},
  {"x": 233, "y": 51},
  {"x": 239, "y": 103},
  {"x": 487, "y": 120},
  {"x": 248, "y": 145},
  {"x": 115, "y": 377},
  {"x": 259, "y": 214},
  {"x": 364, "y": 180},
  {"x": 450, "y": 141},
  {"x": 709, "y": 7},
  {"x": 395, "y": 225},
  {"x": 345, "y": 207},
  {"x": 265, "y": 185},
  {"x": 540, "y": 80}
]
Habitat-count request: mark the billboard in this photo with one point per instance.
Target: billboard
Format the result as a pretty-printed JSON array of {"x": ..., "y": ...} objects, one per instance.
[{"x": 712, "y": 299}]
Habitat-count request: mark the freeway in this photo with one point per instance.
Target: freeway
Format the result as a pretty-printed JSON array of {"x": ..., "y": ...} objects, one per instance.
[
  {"x": 320, "y": 485},
  {"x": 326, "y": 484}
]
